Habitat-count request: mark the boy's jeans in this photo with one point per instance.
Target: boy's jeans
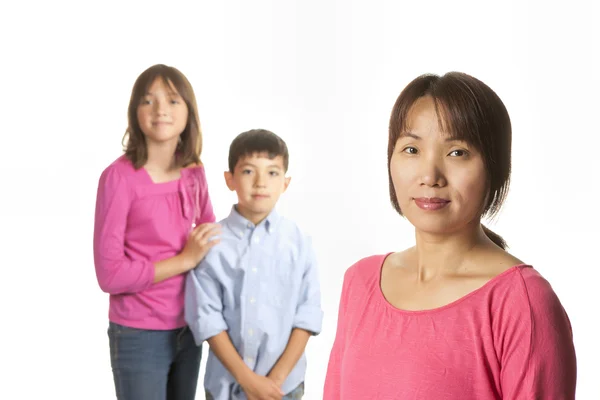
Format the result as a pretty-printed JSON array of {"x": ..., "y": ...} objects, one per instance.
[
  {"x": 295, "y": 394},
  {"x": 154, "y": 365}
]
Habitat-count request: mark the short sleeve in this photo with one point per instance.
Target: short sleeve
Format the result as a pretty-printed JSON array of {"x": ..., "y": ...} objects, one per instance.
[
  {"x": 332, "y": 389},
  {"x": 538, "y": 355}
]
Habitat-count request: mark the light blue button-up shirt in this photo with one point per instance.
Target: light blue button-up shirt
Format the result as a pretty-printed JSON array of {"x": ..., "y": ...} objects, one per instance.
[{"x": 257, "y": 284}]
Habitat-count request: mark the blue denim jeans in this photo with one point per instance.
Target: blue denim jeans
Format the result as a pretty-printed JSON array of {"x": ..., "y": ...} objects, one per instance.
[
  {"x": 154, "y": 365},
  {"x": 295, "y": 394}
]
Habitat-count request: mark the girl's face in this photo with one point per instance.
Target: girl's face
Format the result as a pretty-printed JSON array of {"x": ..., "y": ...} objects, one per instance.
[
  {"x": 162, "y": 113},
  {"x": 440, "y": 183}
]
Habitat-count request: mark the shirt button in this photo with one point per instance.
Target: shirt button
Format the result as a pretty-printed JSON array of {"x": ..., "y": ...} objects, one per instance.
[
  {"x": 256, "y": 239},
  {"x": 252, "y": 300},
  {"x": 193, "y": 225},
  {"x": 250, "y": 331},
  {"x": 254, "y": 269},
  {"x": 249, "y": 360}
]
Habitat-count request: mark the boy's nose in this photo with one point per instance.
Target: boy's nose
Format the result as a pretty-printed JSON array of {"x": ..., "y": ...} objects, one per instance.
[{"x": 260, "y": 181}]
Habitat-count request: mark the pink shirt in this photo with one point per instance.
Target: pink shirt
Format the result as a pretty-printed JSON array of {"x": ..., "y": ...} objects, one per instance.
[
  {"x": 510, "y": 339},
  {"x": 139, "y": 222}
]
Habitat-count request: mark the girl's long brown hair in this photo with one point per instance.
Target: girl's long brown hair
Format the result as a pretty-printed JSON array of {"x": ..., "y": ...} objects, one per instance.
[{"x": 134, "y": 141}]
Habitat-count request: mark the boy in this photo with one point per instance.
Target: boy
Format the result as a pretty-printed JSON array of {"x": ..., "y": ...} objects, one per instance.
[{"x": 255, "y": 297}]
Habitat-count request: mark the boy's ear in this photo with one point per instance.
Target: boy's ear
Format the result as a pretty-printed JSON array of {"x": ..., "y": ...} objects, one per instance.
[
  {"x": 229, "y": 180},
  {"x": 286, "y": 183}
]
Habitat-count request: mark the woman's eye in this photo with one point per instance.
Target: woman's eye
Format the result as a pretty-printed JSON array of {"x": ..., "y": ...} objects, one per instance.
[
  {"x": 457, "y": 153},
  {"x": 410, "y": 150}
]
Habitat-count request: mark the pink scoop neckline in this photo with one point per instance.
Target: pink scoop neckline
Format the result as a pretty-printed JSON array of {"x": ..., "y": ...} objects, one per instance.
[{"x": 452, "y": 304}]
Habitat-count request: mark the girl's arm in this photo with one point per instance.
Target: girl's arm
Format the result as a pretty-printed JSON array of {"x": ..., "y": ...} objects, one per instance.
[
  {"x": 115, "y": 271},
  {"x": 197, "y": 246}
]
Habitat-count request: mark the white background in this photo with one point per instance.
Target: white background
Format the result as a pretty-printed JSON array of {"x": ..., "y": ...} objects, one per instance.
[{"x": 322, "y": 74}]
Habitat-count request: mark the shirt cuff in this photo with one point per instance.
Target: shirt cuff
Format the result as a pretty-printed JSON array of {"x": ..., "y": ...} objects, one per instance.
[
  {"x": 207, "y": 327},
  {"x": 309, "y": 318}
]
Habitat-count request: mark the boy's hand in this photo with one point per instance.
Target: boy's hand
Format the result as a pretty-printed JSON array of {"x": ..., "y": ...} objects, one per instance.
[
  {"x": 259, "y": 387},
  {"x": 276, "y": 378}
]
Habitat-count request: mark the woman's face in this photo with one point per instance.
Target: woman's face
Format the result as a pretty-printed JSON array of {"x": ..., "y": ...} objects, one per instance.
[{"x": 440, "y": 183}]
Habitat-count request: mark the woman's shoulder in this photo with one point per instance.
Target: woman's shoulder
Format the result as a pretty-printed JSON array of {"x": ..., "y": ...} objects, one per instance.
[
  {"x": 369, "y": 263},
  {"x": 365, "y": 270},
  {"x": 523, "y": 289},
  {"x": 538, "y": 289}
]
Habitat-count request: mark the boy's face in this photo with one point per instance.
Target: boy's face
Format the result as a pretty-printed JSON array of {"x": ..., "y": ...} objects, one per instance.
[{"x": 258, "y": 182}]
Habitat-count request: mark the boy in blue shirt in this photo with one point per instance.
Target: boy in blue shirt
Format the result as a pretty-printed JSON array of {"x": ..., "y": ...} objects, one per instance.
[{"x": 255, "y": 297}]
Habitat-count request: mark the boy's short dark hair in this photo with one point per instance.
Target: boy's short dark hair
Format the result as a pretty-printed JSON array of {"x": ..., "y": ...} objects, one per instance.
[{"x": 257, "y": 141}]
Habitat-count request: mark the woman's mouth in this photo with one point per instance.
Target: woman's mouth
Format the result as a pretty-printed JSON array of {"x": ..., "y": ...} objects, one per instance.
[{"x": 431, "y": 203}]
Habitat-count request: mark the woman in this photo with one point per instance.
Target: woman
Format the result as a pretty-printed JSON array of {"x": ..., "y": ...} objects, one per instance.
[{"x": 455, "y": 316}]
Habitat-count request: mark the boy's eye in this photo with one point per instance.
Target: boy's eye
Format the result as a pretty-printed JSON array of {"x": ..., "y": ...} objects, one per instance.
[
  {"x": 246, "y": 171},
  {"x": 410, "y": 150},
  {"x": 274, "y": 173}
]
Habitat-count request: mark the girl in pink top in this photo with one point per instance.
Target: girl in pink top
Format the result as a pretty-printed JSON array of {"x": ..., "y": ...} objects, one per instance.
[
  {"x": 154, "y": 222},
  {"x": 455, "y": 316}
]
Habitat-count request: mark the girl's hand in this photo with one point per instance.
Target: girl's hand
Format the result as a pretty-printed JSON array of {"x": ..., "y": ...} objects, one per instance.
[{"x": 201, "y": 239}]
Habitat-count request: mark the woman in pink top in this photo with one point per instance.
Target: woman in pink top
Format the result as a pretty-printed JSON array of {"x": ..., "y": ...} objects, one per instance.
[
  {"x": 154, "y": 222},
  {"x": 455, "y": 316}
]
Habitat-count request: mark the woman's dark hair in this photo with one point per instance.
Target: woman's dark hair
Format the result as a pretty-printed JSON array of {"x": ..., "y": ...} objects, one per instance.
[
  {"x": 468, "y": 110},
  {"x": 190, "y": 145}
]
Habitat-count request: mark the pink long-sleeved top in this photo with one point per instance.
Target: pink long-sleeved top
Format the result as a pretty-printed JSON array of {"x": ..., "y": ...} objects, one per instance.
[
  {"x": 138, "y": 223},
  {"x": 510, "y": 339}
]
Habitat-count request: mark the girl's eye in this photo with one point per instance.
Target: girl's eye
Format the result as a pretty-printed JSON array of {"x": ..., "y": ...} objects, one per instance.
[
  {"x": 174, "y": 101},
  {"x": 145, "y": 101},
  {"x": 410, "y": 150},
  {"x": 457, "y": 153}
]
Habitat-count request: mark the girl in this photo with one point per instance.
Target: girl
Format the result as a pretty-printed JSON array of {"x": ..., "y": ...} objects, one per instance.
[
  {"x": 154, "y": 222},
  {"x": 456, "y": 316}
]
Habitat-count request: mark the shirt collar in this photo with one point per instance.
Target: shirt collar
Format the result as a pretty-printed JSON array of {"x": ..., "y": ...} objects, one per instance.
[{"x": 239, "y": 224}]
